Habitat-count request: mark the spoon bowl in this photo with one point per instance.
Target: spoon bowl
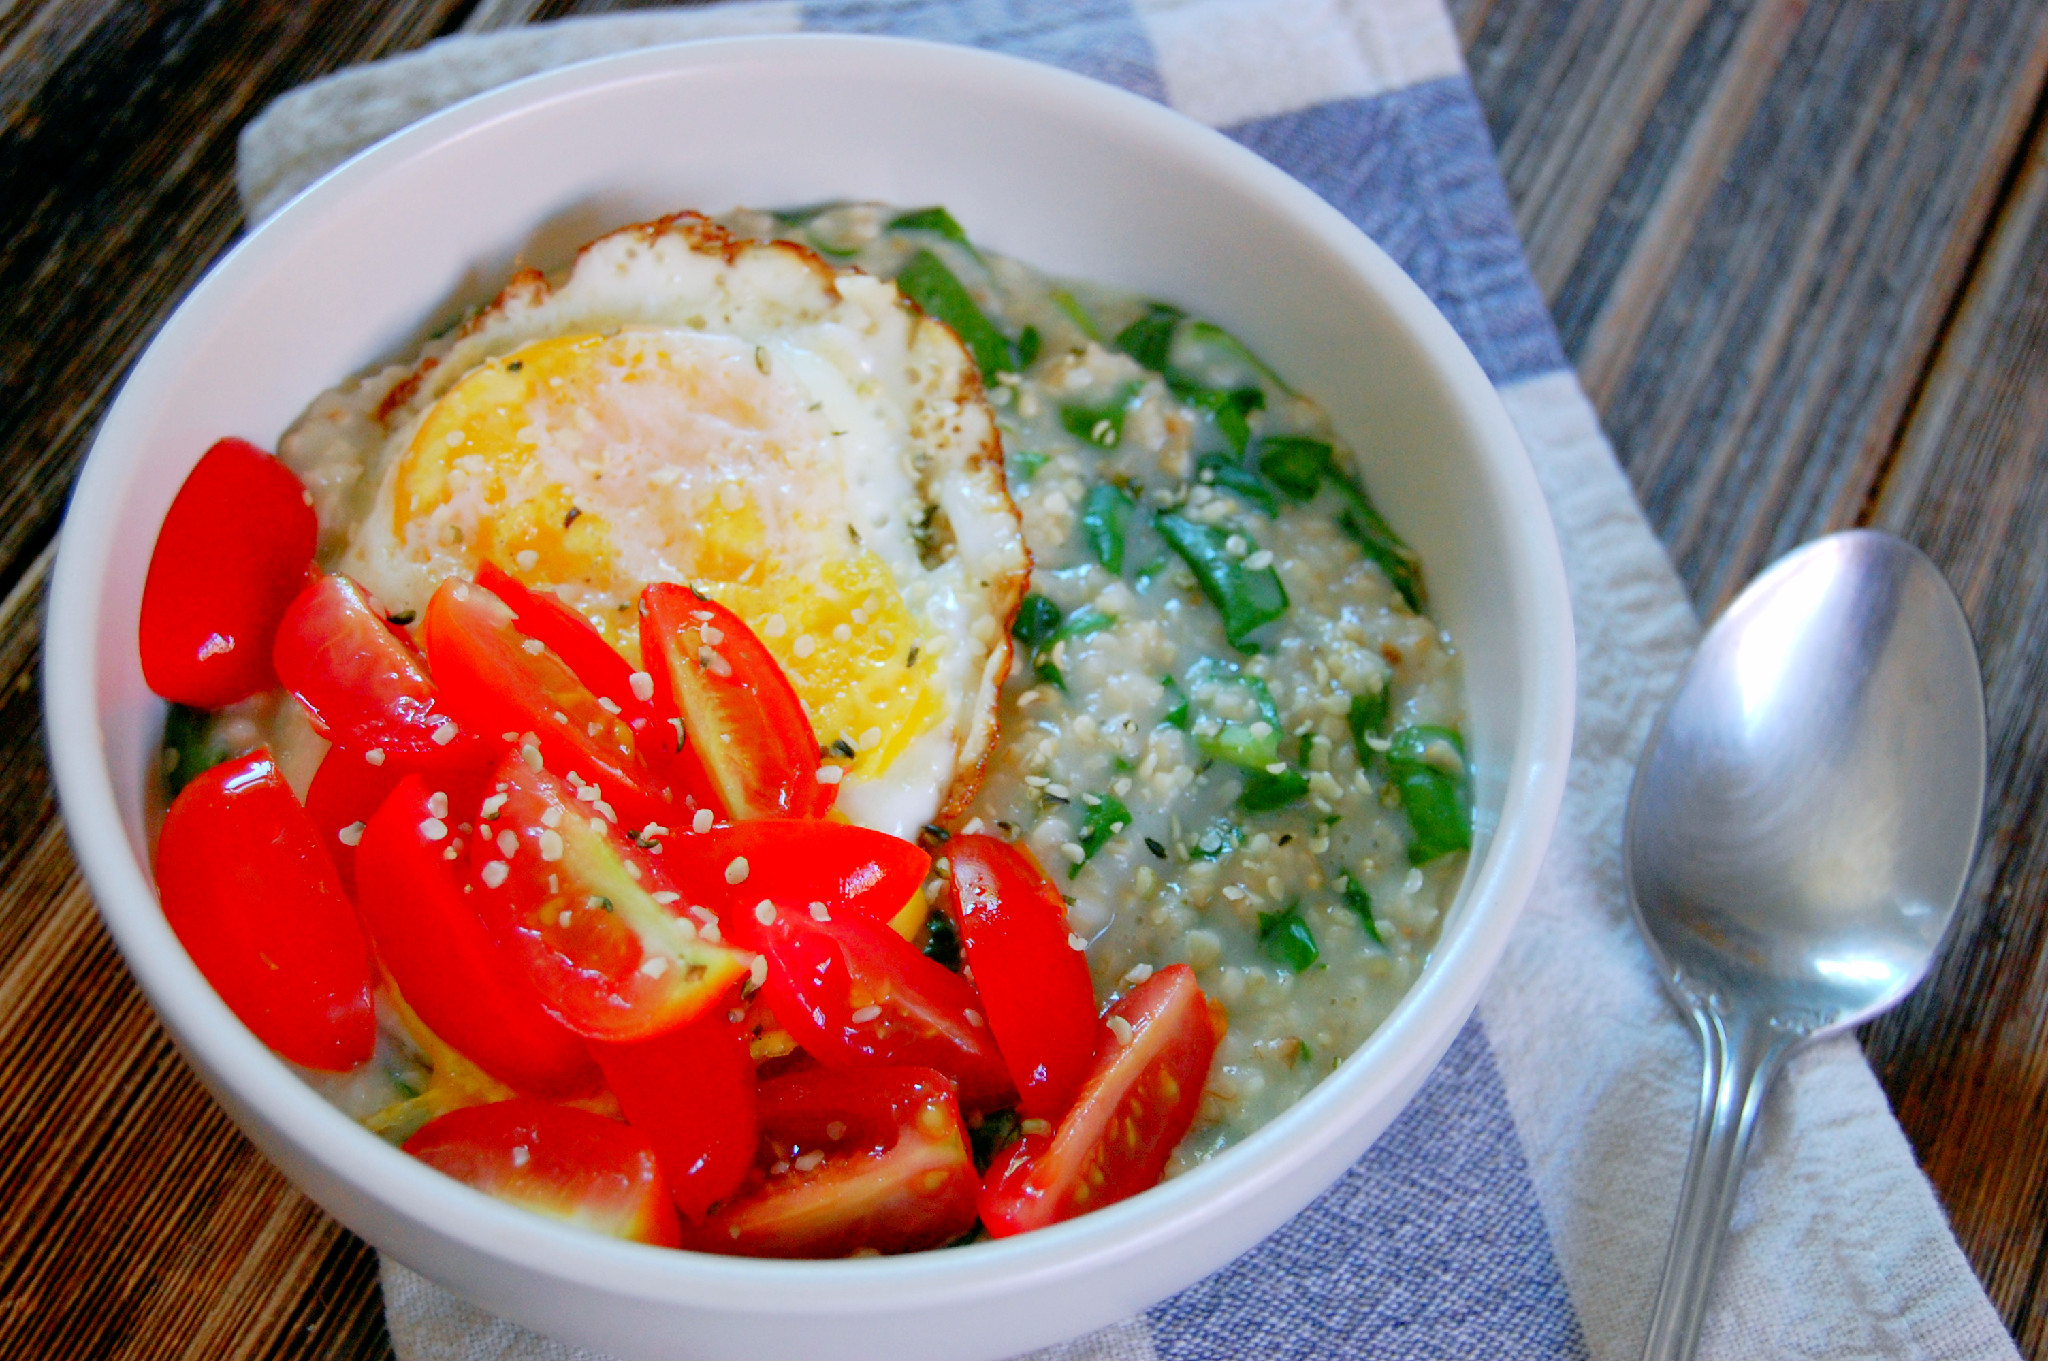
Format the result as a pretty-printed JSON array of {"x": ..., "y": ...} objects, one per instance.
[{"x": 1799, "y": 831}]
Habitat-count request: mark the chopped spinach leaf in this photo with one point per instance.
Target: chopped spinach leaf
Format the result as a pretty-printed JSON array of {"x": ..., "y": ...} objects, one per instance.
[
  {"x": 1360, "y": 902},
  {"x": 1105, "y": 522},
  {"x": 941, "y": 941},
  {"x": 1025, "y": 463},
  {"x": 935, "y": 220},
  {"x": 1083, "y": 622},
  {"x": 1247, "y": 597},
  {"x": 1427, "y": 766},
  {"x": 1177, "y": 714},
  {"x": 1105, "y": 820},
  {"x": 927, "y": 282},
  {"x": 1029, "y": 342},
  {"x": 1100, "y": 425},
  {"x": 1368, "y": 717},
  {"x": 1076, "y": 313},
  {"x": 1036, "y": 622},
  {"x": 1149, "y": 339},
  {"x": 1296, "y": 465},
  {"x": 1286, "y": 939},
  {"x": 1227, "y": 472},
  {"x": 1266, "y": 790}
]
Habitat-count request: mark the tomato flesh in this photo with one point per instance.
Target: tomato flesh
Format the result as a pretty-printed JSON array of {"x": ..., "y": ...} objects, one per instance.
[
  {"x": 691, "y": 1092},
  {"x": 854, "y": 994},
  {"x": 1030, "y": 971},
  {"x": 794, "y": 862},
  {"x": 232, "y": 552},
  {"x": 1138, "y": 1102},
  {"x": 496, "y": 683},
  {"x": 573, "y": 903},
  {"x": 876, "y": 1161},
  {"x": 347, "y": 790},
  {"x": 258, "y": 905},
  {"x": 364, "y": 683},
  {"x": 448, "y": 966},
  {"x": 743, "y": 725},
  {"x": 556, "y": 1161},
  {"x": 543, "y": 616}
]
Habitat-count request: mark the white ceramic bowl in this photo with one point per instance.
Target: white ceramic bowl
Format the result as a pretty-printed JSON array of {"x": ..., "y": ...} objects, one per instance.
[{"x": 1068, "y": 174}]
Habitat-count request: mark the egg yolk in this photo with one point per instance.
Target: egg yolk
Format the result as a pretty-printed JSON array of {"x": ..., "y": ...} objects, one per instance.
[{"x": 597, "y": 464}]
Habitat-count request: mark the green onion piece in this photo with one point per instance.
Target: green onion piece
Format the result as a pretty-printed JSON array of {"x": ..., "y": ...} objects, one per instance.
[
  {"x": 1025, "y": 463},
  {"x": 1210, "y": 334},
  {"x": 1266, "y": 790},
  {"x": 1105, "y": 820},
  {"x": 1295, "y": 464},
  {"x": 1083, "y": 622},
  {"x": 1286, "y": 939},
  {"x": 1224, "y": 471},
  {"x": 941, "y": 940},
  {"x": 1219, "y": 840},
  {"x": 1371, "y": 532},
  {"x": 1177, "y": 715},
  {"x": 1076, "y": 313},
  {"x": 1368, "y": 716},
  {"x": 1103, "y": 425},
  {"x": 1235, "y": 741},
  {"x": 1028, "y": 345},
  {"x": 927, "y": 282},
  {"x": 1246, "y": 597},
  {"x": 1044, "y": 670},
  {"x": 1231, "y": 408},
  {"x": 1428, "y": 767},
  {"x": 1036, "y": 622},
  {"x": 190, "y": 749},
  {"x": 1105, "y": 516},
  {"x": 935, "y": 220},
  {"x": 1149, "y": 339},
  {"x": 1359, "y": 901}
]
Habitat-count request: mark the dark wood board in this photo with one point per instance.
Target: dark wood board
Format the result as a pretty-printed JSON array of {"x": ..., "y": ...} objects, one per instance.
[{"x": 1799, "y": 251}]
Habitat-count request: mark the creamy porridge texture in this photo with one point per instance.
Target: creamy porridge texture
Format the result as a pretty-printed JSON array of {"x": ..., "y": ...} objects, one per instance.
[{"x": 1231, "y": 730}]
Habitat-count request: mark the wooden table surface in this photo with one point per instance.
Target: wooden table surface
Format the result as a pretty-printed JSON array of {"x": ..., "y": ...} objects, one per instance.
[{"x": 1797, "y": 250}]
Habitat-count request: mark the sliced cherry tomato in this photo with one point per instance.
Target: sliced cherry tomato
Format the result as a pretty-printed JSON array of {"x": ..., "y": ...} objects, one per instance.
[
  {"x": 346, "y": 791},
  {"x": 573, "y": 902},
  {"x": 447, "y": 964},
  {"x": 556, "y": 1161},
  {"x": 1028, "y": 968},
  {"x": 365, "y": 684},
  {"x": 543, "y": 616},
  {"x": 498, "y": 681},
  {"x": 233, "y": 551},
  {"x": 855, "y": 994},
  {"x": 794, "y": 862},
  {"x": 691, "y": 1092},
  {"x": 1140, "y": 1098},
  {"x": 742, "y": 722},
  {"x": 875, "y": 1161},
  {"x": 258, "y": 906}
]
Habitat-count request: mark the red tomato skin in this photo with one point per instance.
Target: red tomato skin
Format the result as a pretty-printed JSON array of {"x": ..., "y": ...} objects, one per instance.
[
  {"x": 1137, "y": 1104},
  {"x": 590, "y": 970},
  {"x": 578, "y": 1167},
  {"x": 567, "y": 634},
  {"x": 426, "y": 933},
  {"x": 347, "y": 790},
  {"x": 794, "y": 862},
  {"x": 232, "y": 552},
  {"x": 364, "y": 683},
  {"x": 495, "y": 686},
  {"x": 256, "y": 902},
  {"x": 744, "y": 727},
  {"x": 821, "y": 974},
  {"x": 1032, "y": 978},
  {"x": 898, "y": 1176},
  {"x": 691, "y": 1092}
]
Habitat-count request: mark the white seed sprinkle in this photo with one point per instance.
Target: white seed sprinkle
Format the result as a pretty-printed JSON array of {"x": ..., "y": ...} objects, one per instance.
[
  {"x": 433, "y": 829},
  {"x": 564, "y": 917},
  {"x": 974, "y": 1018},
  {"x": 865, "y": 1014},
  {"x": 774, "y": 626},
  {"x": 842, "y": 633},
  {"x": 508, "y": 844},
  {"x": 712, "y": 634},
  {"x": 835, "y": 1129},
  {"x": 809, "y": 1160},
  {"x": 437, "y": 804},
  {"x": 494, "y": 805},
  {"x": 533, "y": 647},
  {"x": 736, "y": 872},
  {"x": 820, "y": 913},
  {"x": 531, "y": 755},
  {"x": 668, "y": 896},
  {"x": 351, "y": 835},
  {"x": 642, "y": 686},
  {"x": 1119, "y": 1027},
  {"x": 446, "y": 733},
  {"x": 526, "y": 559},
  {"x": 375, "y": 756},
  {"x": 1136, "y": 974},
  {"x": 764, "y": 912},
  {"x": 494, "y": 873},
  {"x": 1260, "y": 561},
  {"x": 1074, "y": 851},
  {"x": 521, "y": 1155},
  {"x": 831, "y": 774},
  {"x": 701, "y": 821},
  {"x": 804, "y": 646},
  {"x": 654, "y": 966},
  {"x": 1077, "y": 941},
  {"x": 757, "y": 972},
  {"x": 608, "y": 704}
]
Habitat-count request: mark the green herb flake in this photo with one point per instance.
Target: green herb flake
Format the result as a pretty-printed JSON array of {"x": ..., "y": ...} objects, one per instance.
[
  {"x": 941, "y": 940},
  {"x": 1106, "y": 818},
  {"x": 1100, "y": 425},
  {"x": 1038, "y": 619},
  {"x": 1176, "y": 716},
  {"x": 1286, "y": 939},
  {"x": 1149, "y": 339},
  {"x": 1266, "y": 790},
  {"x": 927, "y": 282},
  {"x": 1105, "y": 523},
  {"x": 1360, "y": 902},
  {"x": 1247, "y": 597}
]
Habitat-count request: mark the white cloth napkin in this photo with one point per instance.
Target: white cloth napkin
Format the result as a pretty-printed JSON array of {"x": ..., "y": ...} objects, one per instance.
[{"x": 1522, "y": 1206}]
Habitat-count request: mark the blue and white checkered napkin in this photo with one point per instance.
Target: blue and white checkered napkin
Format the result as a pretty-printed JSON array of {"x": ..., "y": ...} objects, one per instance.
[{"x": 1520, "y": 1207}]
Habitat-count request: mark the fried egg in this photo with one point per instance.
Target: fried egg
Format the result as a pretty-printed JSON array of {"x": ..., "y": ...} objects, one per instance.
[{"x": 796, "y": 441}]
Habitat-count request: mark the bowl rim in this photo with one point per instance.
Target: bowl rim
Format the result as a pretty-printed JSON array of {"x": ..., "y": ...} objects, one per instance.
[{"x": 257, "y": 1085}]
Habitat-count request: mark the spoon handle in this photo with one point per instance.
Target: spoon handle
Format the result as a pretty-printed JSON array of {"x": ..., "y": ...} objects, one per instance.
[{"x": 1742, "y": 1056}]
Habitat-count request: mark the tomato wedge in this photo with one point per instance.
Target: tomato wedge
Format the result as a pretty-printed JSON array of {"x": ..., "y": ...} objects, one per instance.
[
  {"x": 1028, "y": 967},
  {"x": 543, "y": 616},
  {"x": 742, "y": 722},
  {"x": 364, "y": 683},
  {"x": 232, "y": 552},
  {"x": 794, "y": 862},
  {"x": 876, "y": 1161},
  {"x": 498, "y": 681},
  {"x": 855, "y": 994},
  {"x": 346, "y": 791},
  {"x": 691, "y": 1092},
  {"x": 448, "y": 966},
  {"x": 573, "y": 901},
  {"x": 556, "y": 1161},
  {"x": 257, "y": 904},
  {"x": 1138, "y": 1103}
]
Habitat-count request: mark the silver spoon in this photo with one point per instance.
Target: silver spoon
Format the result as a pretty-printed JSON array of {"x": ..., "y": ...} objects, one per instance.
[{"x": 1798, "y": 834}]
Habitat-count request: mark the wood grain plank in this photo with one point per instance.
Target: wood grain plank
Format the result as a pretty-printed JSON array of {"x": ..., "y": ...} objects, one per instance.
[{"x": 1966, "y": 1061}]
